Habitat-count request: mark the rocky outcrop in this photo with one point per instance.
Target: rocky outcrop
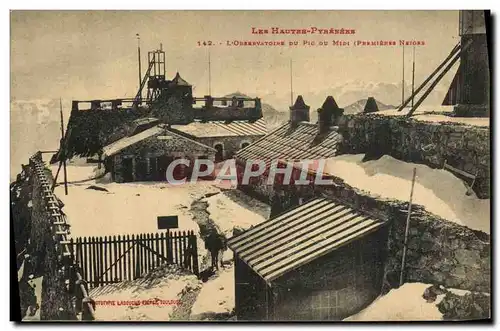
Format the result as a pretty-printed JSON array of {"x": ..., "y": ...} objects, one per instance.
[{"x": 470, "y": 306}]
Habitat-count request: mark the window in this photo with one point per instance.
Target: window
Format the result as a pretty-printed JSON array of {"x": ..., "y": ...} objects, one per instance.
[
  {"x": 245, "y": 144},
  {"x": 324, "y": 305}
]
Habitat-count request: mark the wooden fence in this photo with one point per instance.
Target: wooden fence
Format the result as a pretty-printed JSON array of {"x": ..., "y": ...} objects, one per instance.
[{"x": 112, "y": 259}]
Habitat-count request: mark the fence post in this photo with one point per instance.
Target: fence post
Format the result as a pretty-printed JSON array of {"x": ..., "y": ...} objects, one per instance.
[
  {"x": 194, "y": 253},
  {"x": 169, "y": 248}
]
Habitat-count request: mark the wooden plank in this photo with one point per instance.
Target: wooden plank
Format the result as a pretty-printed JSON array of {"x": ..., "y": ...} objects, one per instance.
[
  {"x": 174, "y": 246},
  {"x": 119, "y": 262},
  {"x": 101, "y": 262},
  {"x": 85, "y": 259},
  {"x": 162, "y": 244},
  {"x": 134, "y": 257},
  {"x": 461, "y": 172},
  {"x": 143, "y": 254},
  {"x": 181, "y": 249},
  {"x": 129, "y": 258},
  {"x": 106, "y": 273},
  {"x": 195, "y": 255},
  {"x": 94, "y": 261},
  {"x": 114, "y": 250},
  {"x": 157, "y": 248},
  {"x": 184, "y": 237}
]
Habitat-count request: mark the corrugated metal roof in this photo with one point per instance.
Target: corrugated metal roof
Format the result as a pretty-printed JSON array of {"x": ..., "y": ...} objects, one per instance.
[
  {"x": 292, "y": 144},
  {"x": 300, "y": 235},
  {"x": 221, "y": 129}
]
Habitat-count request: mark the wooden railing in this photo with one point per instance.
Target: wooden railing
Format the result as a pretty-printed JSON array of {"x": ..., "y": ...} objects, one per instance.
[{"x": 77, "y": 286}]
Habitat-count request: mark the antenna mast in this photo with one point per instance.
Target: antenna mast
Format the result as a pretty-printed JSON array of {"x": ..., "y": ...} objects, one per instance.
[
  {"x": 209, "y": 74},
  {"x": 413, "y": 78},
  {"x": 291, "y": 83},
  {"x": 139, "y": 61},
  {"x": 62, "y": 148},
  {"x": 403, "y": 78}
]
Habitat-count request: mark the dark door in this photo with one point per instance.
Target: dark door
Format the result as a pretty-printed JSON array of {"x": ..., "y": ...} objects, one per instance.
[
  {"x": 163, "y": 162},
  {"x": 219, "y": 154},
  {"x": 153, "y": 168},
  {"x": 127, "y": 170},
  {"x": 141, "y": 169}
]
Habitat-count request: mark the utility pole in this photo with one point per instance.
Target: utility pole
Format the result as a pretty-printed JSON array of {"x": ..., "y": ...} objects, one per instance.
[
  {"x": 407, "y": 229},
  {"x": 62, "y": 148},
  {"x": 209, "y": 74},
  {"x": 413, "y": 78},
  {"x": 291, "y": 83},
  {"x": 403, "y": 78},
  {"x": 139, "y": 61}
]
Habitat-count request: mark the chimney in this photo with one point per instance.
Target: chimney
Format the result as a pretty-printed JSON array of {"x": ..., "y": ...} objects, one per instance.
[
  {"x": 329, "y": 114},
  {"x": 371, "y": 105},
  {"x": 299, "y": 111}
]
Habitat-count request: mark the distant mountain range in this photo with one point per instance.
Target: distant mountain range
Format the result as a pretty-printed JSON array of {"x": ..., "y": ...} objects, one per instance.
[
  {"x": 347, "y": 93},
  {"x": 275, "y": 117}
]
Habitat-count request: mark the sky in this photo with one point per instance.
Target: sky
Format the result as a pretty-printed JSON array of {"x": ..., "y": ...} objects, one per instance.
[{"x": 85, "y": 55}]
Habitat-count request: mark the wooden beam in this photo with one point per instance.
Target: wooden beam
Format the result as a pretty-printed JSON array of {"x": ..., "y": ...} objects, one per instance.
[{"x": 412, "y": 96}]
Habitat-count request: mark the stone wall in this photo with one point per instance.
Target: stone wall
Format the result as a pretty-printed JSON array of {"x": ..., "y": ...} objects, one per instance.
[
  {"x": 464, "y": 147},
  {"x": 42, "y": 255},
  {"x": 439, "y": 251},
  {"x": 231, "y": 144}
]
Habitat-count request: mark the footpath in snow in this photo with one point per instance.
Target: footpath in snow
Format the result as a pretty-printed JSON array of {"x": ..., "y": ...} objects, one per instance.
[{"x": 438, "y": 190}]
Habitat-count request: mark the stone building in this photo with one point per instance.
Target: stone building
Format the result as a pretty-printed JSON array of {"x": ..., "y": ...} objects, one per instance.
[
  {"x": 296, "y": 140},
  {"x": 146, "y": 155},
  {"x": 226, "y": 137},
  {"x": 321, "y": 260}
]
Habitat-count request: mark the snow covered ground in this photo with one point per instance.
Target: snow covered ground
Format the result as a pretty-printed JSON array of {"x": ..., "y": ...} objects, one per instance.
[
  {"x": 425, "y": 113},
  {"x": 216, "y": 296},
  {"x": 439, "y": 191},
  {"x": 403, "y": 304},
  {"x": 150, "y": 298},
  {"x": 127, "y": 208},
  {"x": 131, "y": 208},
  {"x": 228, "y": 212}
]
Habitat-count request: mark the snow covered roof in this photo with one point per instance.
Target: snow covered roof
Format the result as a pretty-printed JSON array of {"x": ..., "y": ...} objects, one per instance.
[
  {"x": 300, "y": 235},
  {"x": 123, "y": 143},
  {"x": 118, "y": 145},
  {"x": 221, "y": 129},
  {"x": 293, "y": 143}
]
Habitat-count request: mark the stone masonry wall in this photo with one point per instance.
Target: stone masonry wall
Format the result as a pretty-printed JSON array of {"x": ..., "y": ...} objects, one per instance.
[
  {"x": 231, "y": 144},
  {"x": 462, "y": 146},
  {"x": 439, "y": 251}
]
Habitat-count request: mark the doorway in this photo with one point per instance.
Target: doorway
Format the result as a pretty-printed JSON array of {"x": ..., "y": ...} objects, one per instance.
[
  {"x": 127, "y": 170},
  {"x": 219, "y": 154}
]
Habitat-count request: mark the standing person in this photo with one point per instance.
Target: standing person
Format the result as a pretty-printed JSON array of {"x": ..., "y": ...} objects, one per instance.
[{"x": 214, "y": 244}]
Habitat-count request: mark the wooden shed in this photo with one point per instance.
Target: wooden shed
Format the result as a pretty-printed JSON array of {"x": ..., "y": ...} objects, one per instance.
[{"x": 321, "y": 260}]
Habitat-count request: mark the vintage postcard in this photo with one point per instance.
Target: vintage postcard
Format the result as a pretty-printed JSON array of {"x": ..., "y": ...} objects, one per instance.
[{"x": 250, "y": 165}]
